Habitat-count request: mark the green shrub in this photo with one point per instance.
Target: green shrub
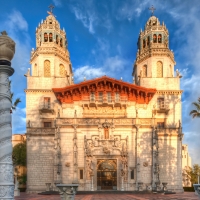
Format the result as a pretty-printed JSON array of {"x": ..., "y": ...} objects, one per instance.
[{"x": 188, "y": 189}]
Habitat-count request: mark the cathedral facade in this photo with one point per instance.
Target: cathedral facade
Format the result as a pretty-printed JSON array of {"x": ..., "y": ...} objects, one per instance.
[{"x": 104, "y": 134}]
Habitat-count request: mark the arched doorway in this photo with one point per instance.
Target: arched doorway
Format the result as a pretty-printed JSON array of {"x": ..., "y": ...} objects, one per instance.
[{"x": 107, "y": 174}]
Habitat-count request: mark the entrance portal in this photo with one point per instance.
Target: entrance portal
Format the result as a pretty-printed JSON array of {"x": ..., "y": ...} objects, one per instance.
[{"x": 107, "y": 174}]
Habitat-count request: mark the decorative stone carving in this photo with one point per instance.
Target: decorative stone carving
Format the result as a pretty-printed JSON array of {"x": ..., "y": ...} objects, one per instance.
[
  {"x": 106, "y": 150},
  {"x": 145, "y": 164},
  {"x": 67, "y": 191},
  {"x": 145, "y": 121},
  {"x": 93, "y": 121},
  {"x": 99, "y": 111},
  {"x": 7, "y": 47},
  {"x": 164, "y": 186}
]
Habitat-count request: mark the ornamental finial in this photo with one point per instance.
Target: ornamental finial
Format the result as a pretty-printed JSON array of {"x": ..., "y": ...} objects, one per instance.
[
  {"x": 51, "y": 7},
  {"x": 152, "y": 10},
  {"x": 4, "y": 33}
]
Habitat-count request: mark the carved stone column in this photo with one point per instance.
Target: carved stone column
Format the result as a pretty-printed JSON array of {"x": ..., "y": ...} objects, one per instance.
[{"x": 7, "y": 50}]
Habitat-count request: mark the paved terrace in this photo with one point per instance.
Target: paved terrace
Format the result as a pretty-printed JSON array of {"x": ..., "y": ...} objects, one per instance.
[{"x": 183, "y": 196}]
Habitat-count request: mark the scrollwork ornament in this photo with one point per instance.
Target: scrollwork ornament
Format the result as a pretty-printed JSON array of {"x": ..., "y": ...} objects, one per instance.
[
  {"x": 7, "y": 172},
  {"x": 3, "y": 191}
]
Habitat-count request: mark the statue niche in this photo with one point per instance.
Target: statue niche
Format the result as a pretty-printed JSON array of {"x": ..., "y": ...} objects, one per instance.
[{"x": 106, "y": 133}]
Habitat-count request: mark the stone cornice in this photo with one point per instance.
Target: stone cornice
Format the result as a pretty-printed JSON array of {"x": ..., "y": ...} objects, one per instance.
[
  {"x": 151, "y": 52},
  {"x": 41, "y": 131},
  {"x": 37, "y": 90},
  {"x": 176, "y": 92}
]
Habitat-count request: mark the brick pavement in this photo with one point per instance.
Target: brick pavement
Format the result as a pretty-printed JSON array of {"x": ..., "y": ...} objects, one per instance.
[{"x": 183, "y": 196}]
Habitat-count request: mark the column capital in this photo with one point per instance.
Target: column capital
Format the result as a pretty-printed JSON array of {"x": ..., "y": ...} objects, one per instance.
[{"x": 7, "y": 69}]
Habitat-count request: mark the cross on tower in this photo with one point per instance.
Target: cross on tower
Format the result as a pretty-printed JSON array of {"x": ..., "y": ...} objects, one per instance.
[
  {"x": 152, "y": 10},
  {"x": 51, "y": 7}
]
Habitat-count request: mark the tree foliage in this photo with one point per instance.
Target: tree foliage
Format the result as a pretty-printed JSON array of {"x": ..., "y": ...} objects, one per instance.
[
  {"x": 14, "y": 103},
  {"x": 193, "y": 173},
  {"x": 196, "y": 113},
  {"x": 22, "y": 179},
  {"x": 19, "y": 154}
]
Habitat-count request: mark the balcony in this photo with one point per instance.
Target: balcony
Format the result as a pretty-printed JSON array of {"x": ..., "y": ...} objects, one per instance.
[
  {"x": 105, "y": 101},
  {"x": 46, "y": 108},
  {"x": 162, "y": 107}
]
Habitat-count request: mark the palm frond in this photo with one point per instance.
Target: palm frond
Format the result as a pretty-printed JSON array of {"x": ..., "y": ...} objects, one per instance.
[
  {"x": 17, "y": 101},
  {"x": 195, "y": 113},
  {"x": 11, "y": 96},
  {"x": 197, "y": 105},
  {"x": 9, "y": 83}
]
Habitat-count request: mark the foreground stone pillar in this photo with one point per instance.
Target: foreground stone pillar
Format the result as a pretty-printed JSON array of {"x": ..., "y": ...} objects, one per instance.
[
  {"x": 7, "y": 50},
  {"x": 197, "y": 189},
  {"x": 67, "y": 191}
]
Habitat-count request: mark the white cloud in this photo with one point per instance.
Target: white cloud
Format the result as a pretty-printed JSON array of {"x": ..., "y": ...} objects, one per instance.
[
  {"x": 87, "y": 18},
  {"x": 91, "y": 17},
  {"x": 115, "y": 64},
  {"x": 89, "y": 72},
  {"x": 131, "y": 9},
  {"x": 19, "y": 120},
  {"x": 110, "y": 67},
  {"x": 57, "y": 3},
  {"x": 191, "y": 127},
  {"x": 16, "y": 22}
]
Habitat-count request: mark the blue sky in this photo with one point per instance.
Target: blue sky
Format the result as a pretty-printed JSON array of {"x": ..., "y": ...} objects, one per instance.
[{"x": 102, "y": 40}]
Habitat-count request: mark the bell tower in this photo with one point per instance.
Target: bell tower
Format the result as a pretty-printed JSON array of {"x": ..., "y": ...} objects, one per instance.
[
  {"x": 50, "y": 61},
  {"x": 154, "y": 64}
]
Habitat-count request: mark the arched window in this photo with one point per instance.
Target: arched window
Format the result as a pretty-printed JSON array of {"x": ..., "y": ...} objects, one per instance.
[
  {"x": 144, "y": 71},
  {"x": 61, "y": 42},
  {"x": 57, "y": 39},
  {"x": 159, "y": 69},
  {"x": 154, "y": 38},
  {"x": 50, "y": 37},
  {"x": 45, "y": 37},
  {"x": 62, "y": 70},
  {"x": 159, "y": 38},
  {"x": 148, "y": 41},
  {"x": 144, "y": 43},
  {"x": 35, "y": 70},
  {"x": 47, "y": 69}
]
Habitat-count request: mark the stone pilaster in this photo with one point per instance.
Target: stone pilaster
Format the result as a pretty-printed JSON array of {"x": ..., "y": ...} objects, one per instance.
[
  {"x": 75, "y": 151},
  {"x": 57, "y": 159},
  {"x": 7, "y": 49},
  {"x": 137, "y": 164}
]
